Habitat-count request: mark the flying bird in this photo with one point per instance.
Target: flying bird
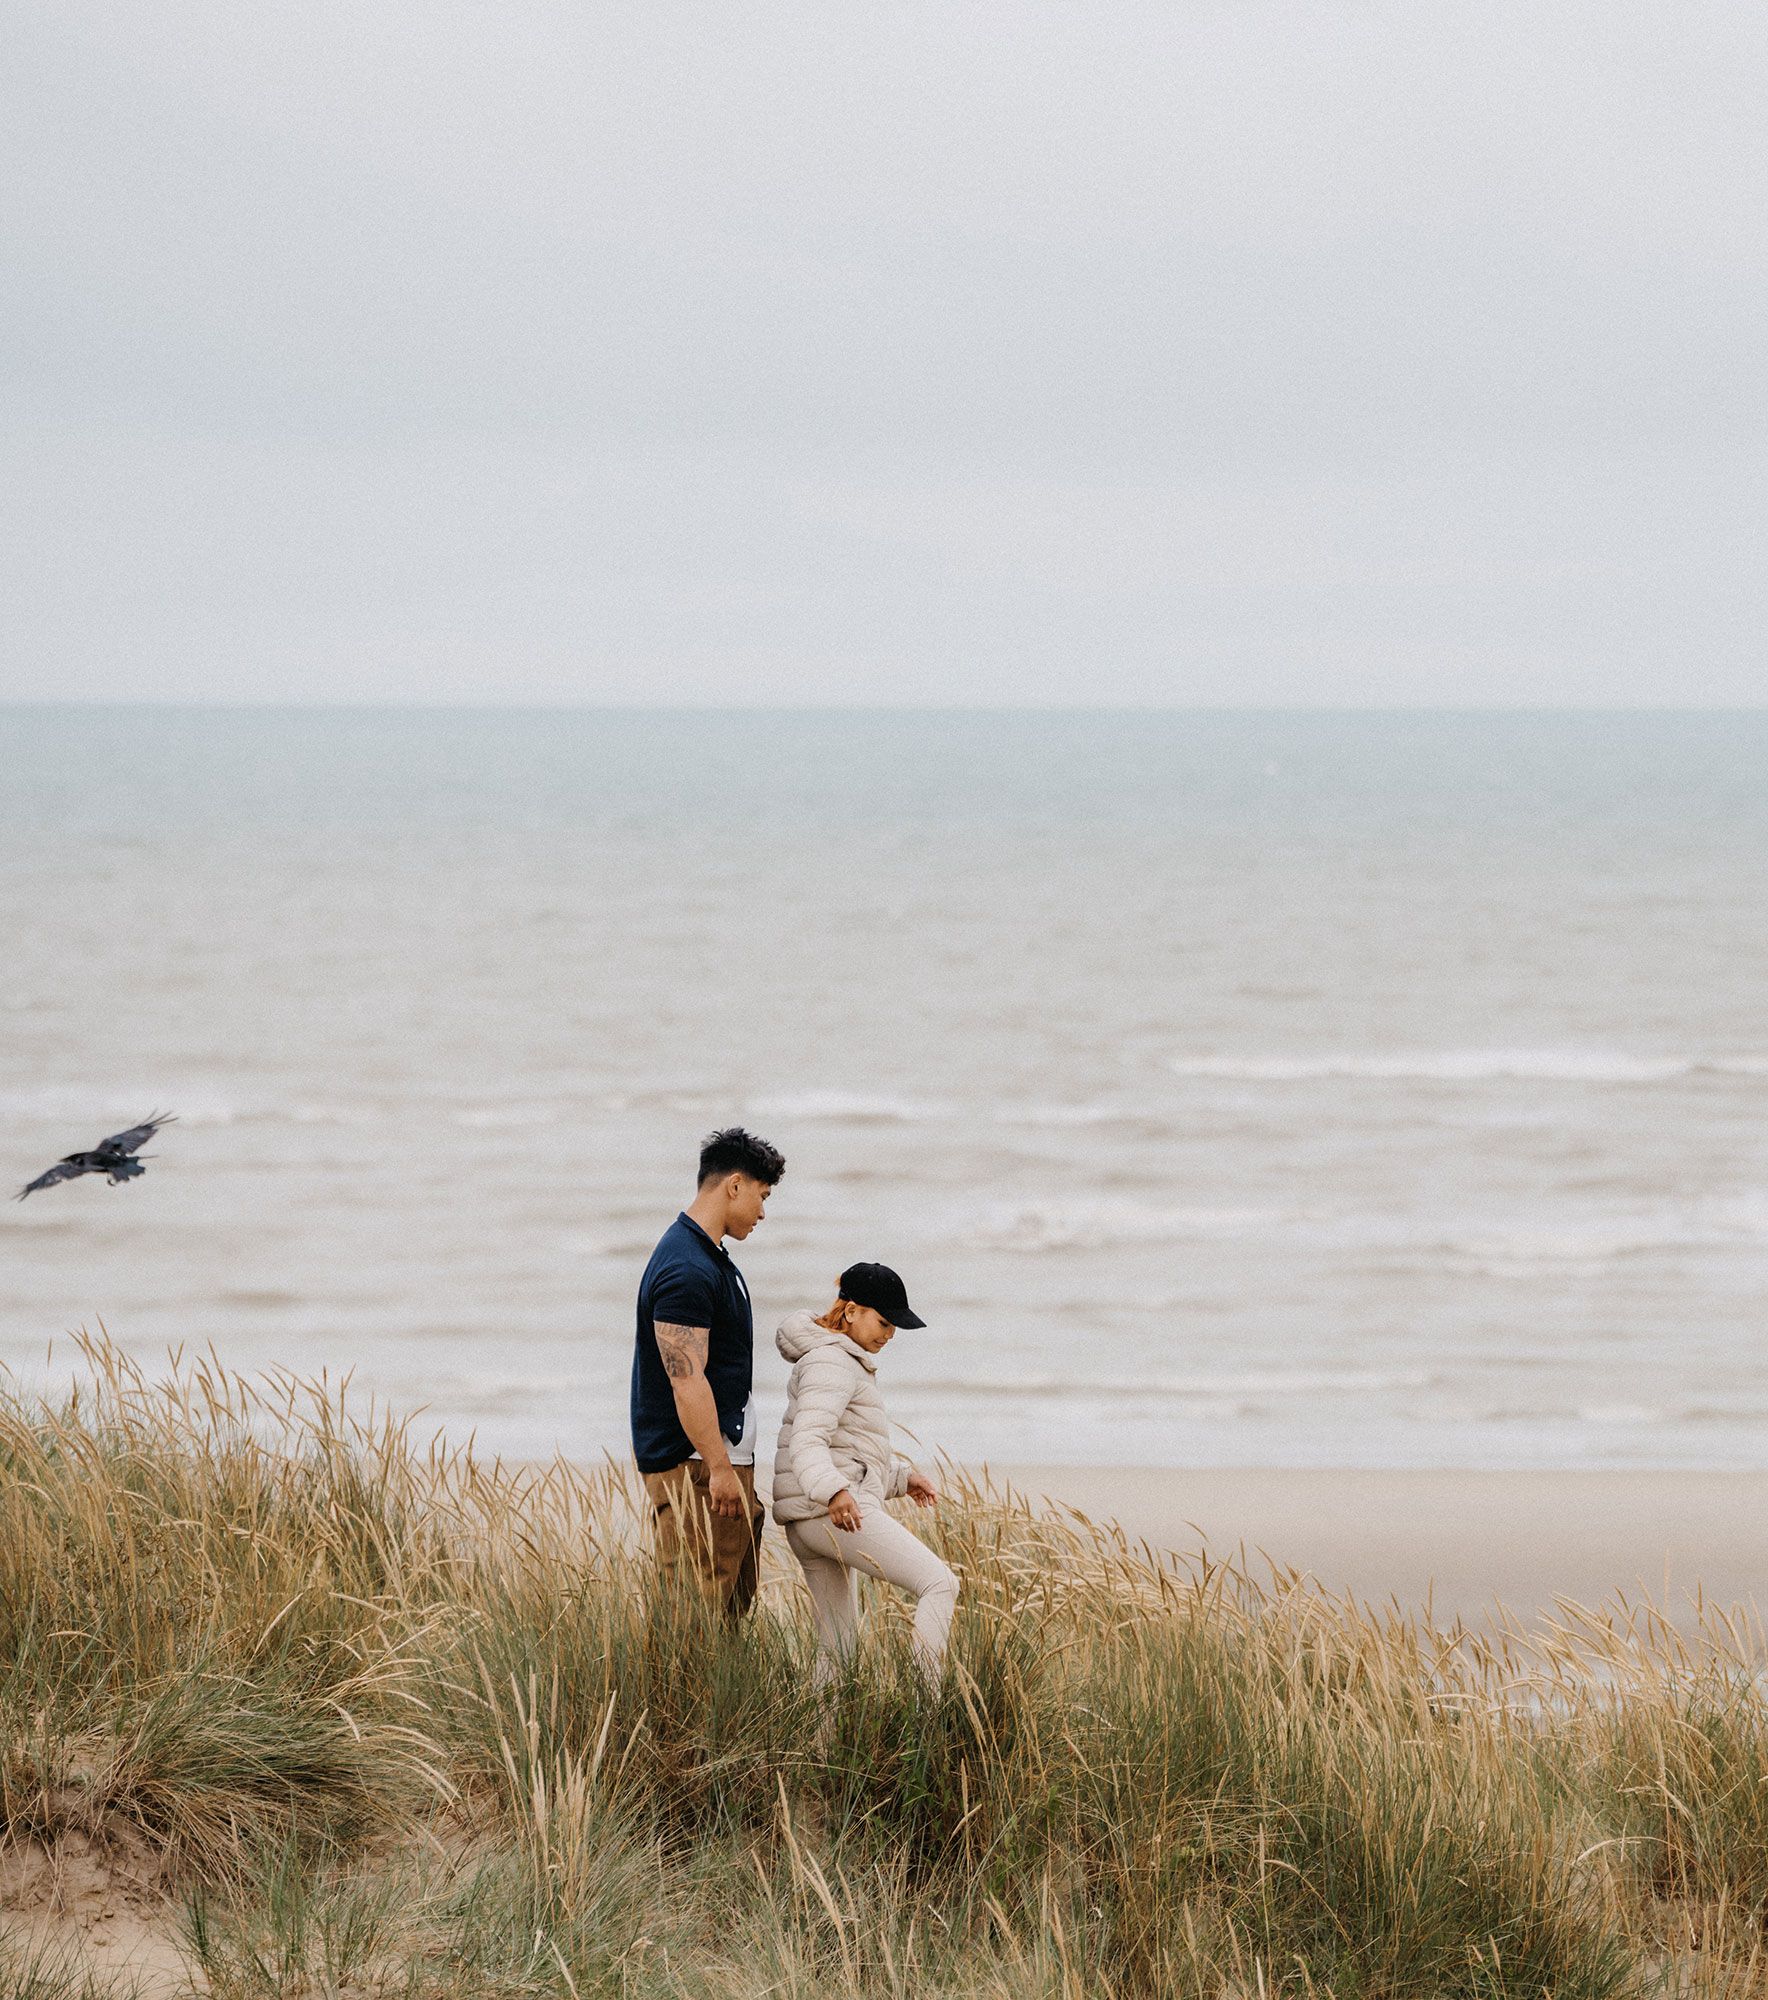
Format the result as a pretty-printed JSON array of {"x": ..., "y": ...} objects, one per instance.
[{"x": 113, "y": 1157}]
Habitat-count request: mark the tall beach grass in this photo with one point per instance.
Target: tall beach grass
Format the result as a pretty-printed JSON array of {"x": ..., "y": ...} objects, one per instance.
[{"x": 372, "y": 1720}]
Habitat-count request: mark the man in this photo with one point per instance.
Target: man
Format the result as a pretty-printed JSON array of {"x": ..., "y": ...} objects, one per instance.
[{"x": 693, "y": 1404}]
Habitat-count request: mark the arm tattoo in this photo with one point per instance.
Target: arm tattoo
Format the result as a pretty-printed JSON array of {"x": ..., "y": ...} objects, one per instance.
[{"x": 682, "y": 1349}]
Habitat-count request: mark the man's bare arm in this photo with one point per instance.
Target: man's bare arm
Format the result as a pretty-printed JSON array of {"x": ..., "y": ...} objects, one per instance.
[
  {"x": 683, "y": 1352},
  {"x": 683, "y": 1349}
]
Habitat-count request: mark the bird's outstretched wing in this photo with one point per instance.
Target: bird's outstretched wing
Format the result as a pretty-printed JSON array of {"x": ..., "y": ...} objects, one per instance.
[
  {"x": 137, "y": 1136},
  {"x": 63, "y": 1170}
]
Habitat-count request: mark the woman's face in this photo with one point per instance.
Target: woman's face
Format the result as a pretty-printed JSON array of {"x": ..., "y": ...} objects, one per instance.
[{"x": 866, "y": 1328}]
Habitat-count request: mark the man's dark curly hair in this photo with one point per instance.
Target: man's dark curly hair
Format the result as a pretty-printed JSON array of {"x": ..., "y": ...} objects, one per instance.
[{"x": 734, "y": 1151}]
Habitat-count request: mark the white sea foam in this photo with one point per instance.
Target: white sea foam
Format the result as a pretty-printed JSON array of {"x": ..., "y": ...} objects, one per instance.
[
  {"x": 1736, "y": 1225},
  {"x": 1266, "y": 1383},
  {"x": 114, "y": 1104},
  {"x": 1064, "y": 1117},
  {"x": 495, "y": 1117},
  {"x": 1593, "y": 1066},
  {"x": 1102, "y": 1224},
  {"x": 846, "y": 1107},
  {"x": 632, "y": 1251}
]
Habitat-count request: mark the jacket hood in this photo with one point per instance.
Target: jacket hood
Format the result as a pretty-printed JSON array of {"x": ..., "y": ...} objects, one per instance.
[{"x": 799, "y": 1333}]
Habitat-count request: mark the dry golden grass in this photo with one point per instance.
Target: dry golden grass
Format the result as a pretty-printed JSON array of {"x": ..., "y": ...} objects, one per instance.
[{"x": 370, "y": 1720}]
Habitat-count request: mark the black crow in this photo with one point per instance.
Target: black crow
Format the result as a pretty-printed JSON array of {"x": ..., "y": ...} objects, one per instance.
[{"x": 113, "y": 1157}]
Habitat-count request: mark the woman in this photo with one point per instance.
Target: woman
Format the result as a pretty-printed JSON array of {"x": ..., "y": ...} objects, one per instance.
[{"x": 834, "y": 1470}]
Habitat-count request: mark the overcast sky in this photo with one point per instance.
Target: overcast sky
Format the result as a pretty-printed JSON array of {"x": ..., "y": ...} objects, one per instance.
[{"x": 1381, "y": 353}]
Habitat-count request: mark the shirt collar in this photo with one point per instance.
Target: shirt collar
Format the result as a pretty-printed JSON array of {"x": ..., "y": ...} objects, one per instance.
[{"x": 717, "y": 1249}]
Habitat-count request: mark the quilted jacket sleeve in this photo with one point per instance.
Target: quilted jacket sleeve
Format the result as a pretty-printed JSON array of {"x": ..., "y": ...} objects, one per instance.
[
  {"x": 900, "y": 1469},
  {"x": 826, "y": 1380}
]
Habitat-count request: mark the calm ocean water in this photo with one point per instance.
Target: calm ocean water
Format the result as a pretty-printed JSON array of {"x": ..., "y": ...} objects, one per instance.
[{"x": 1257, "y": 1089}]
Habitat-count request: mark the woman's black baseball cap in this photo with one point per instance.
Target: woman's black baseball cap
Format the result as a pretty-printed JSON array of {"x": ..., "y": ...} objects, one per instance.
[{"x": 878, "y": 1286}]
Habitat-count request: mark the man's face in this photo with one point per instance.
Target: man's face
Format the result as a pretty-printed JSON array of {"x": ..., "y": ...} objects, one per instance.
[{"x": 745, "y": 1205}]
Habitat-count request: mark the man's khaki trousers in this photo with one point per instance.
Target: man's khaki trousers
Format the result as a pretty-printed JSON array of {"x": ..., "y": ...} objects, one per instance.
[{"x": 720, "y": 1555}]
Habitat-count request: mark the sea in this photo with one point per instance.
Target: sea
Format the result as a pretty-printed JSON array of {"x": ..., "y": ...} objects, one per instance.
[{"x": 1253, "y": 1089}]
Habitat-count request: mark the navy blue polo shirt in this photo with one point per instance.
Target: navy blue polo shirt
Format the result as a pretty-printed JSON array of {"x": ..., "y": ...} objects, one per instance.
[{"x": 690, "y": 1281}]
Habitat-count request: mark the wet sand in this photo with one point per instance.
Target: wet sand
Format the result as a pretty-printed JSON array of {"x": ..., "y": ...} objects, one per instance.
[{"x": 1458, "y": 1541}]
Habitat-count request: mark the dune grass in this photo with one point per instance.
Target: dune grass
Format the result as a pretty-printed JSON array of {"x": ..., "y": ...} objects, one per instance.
[{"x": 387, "y": 1722}]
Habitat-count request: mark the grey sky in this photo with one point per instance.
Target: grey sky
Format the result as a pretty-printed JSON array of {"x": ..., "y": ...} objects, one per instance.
[{"x": 857, "y": 352}]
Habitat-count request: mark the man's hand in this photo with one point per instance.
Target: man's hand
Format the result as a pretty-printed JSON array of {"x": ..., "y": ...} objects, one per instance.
[
  {"x": 725, "y": 1492},
  {"x": 921, "y": 1490},
  {"x": 844, "y": 1512}
]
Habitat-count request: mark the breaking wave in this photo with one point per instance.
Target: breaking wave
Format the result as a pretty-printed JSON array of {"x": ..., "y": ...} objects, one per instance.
[
  {"x": 1252, "y": 1382},
  {"x": 1103, "y": 1225},
  {"x": 1467, "y": 1066},
  {"x": 850, "y": 1108}
]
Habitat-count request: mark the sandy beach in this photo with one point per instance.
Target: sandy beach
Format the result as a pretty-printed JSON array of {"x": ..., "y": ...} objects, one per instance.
[{"x": 1460, "y": 1541}]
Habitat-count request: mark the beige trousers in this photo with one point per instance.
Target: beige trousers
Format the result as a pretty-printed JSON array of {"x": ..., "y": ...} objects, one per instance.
[
  {"x": 833, "y": 1559},
  {"x": 722, "y": 1556}
]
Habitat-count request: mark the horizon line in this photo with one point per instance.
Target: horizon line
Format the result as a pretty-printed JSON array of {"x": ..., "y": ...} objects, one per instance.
[{"x": 189, "y": 704}]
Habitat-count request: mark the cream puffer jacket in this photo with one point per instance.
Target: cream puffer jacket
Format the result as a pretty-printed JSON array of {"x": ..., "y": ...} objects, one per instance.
[{"x": 835, "y": 1432}]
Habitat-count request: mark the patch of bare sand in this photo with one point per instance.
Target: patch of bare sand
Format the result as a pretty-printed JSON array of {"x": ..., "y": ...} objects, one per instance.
[
  {"x": 1459, "y": 1542},
  {"x": 98, "y": 1907}
]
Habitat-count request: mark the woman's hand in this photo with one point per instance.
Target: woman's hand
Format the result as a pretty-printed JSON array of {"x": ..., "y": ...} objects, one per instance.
[
  {"x": 844, "y": 1512},
  {"x": 921, "y": 1490}
]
